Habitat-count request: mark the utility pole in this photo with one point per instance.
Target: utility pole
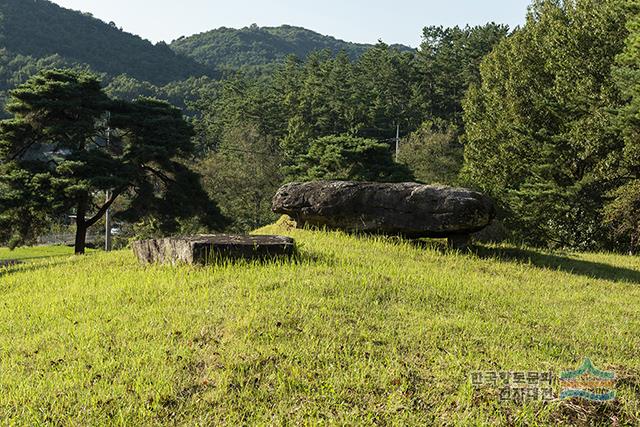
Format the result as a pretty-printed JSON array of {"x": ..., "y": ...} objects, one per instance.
[
  {"x": 107, "y": 217},
  {"x": 107, "y": 225},
  {"x": 397, "y": 141}
]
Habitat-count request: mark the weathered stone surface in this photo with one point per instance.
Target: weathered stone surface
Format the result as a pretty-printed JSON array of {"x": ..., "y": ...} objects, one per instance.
[
  {"x": 209, "y": 248},
  {"x": 408, "y": 209}
]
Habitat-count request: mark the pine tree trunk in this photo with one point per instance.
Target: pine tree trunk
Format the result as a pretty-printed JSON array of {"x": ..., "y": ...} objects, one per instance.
[{"x": 81, "y": 228}]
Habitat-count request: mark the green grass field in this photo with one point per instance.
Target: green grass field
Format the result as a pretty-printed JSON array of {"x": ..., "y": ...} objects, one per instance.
[{"x": 359, "y": 331}]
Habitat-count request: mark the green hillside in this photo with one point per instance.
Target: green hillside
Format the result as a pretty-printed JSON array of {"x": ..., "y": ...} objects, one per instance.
[
  {"x": 39, "y": 29},
  {"x": 39, "y": 34},
  {"x": 361, "y": 331},
  {"x": 260, "y": 46}
]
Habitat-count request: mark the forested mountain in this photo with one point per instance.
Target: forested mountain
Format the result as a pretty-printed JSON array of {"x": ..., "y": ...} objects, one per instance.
[
  {"x": 39, "y": 34},
  {"x": 39, "y": 30},
  {"x": 262, "y": 46},
  {"x": 36, "y": 34}
]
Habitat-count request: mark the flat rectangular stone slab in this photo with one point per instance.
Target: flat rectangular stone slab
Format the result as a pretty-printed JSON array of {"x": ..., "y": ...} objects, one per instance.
[{"x": 201, "y": 250}]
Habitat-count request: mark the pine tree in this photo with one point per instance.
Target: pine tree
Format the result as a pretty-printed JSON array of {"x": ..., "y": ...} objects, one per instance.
[{"x": 68, "y": 144}]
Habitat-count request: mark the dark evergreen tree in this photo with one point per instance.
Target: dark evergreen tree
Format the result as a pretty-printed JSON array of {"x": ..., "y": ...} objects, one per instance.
[
  {"x": 448, "y": 62},
  {"x": 622, "y": 213},
  {"x": 349, "y": 158},
  {"x": 62, "y": 150}
]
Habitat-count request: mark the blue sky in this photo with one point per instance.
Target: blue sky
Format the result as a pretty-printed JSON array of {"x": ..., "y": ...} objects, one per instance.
[{"x": 393, "y": 21}]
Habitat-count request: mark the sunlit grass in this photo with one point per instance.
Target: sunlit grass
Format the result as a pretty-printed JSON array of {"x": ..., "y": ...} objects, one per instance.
[
  {"x": 358, "y": 331},
  {"x": 35, "y": 252}
]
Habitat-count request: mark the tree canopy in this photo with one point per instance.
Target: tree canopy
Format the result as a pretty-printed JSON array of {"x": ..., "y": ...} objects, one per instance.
[
  {"x": 68, "y": 144},
  {"x": 541, "y": 127}
]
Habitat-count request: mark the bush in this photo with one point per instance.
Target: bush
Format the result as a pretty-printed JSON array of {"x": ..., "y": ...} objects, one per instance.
[{"x": 433, "y": 156}]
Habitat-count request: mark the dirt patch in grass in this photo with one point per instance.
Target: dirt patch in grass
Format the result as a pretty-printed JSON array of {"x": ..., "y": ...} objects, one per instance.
[{"x": 578, "y": 412}]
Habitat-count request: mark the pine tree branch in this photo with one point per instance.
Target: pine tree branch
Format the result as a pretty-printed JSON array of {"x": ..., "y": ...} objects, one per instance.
[
  {"x": 164, "y": 178},
  {"x": 23, "y": 150},
  {"x": 105, "y": 207}
]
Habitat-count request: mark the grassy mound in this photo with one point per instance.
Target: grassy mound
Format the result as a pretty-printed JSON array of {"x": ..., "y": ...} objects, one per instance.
[{"x": 358, "y": 331}]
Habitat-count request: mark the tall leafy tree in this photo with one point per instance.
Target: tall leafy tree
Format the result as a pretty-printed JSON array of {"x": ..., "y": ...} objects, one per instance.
[
  {"x": 434, "y": 156},
  {"x": 243, "y": 175},
  {"x": 60, "y": 152},
  {"x": 622, "y": 213},
  {"x": 539, "y": 132}
]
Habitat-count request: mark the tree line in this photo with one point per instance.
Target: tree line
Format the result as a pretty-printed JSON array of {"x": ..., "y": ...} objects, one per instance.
[
  {"x": 334, "y": 117},
  {"x": 543, "y": 118},
  {"x": 551, "y": 129}
]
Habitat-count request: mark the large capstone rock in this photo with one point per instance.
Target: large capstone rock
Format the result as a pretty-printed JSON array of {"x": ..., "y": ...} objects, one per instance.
[
  {"x": 407, "y": 209},
  {"x": 211, "y": 248}
]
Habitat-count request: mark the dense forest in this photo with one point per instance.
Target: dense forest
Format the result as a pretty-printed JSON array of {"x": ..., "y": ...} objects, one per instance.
[
  {"x": 261, "y": 48},
  {"x": 550, "y": 129},
  {"x": 334, "y": 117},
  {"x": 544, "y": 118},
  {"x": 38, "y": 34},
  {"x": 41, "y": 30}
]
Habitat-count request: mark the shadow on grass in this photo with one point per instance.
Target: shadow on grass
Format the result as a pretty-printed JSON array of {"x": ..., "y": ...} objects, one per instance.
[
  {"x": 25, "y": 267},
  {"x": 9, "y": 262},
  {"x": 35, "y": 258},
  {"x": 437, "y": 245},
  {"x": 539, "y": 259},
  {"x": 561, "y": 263}
]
